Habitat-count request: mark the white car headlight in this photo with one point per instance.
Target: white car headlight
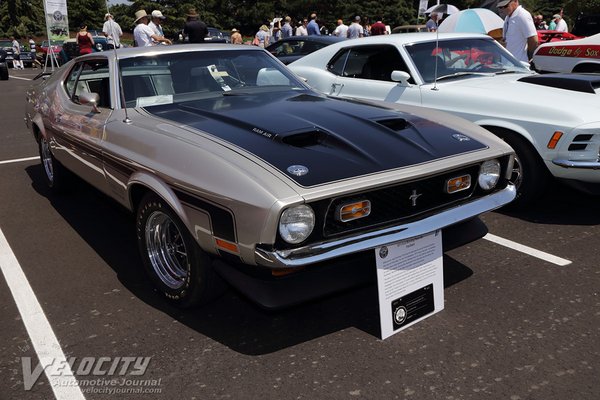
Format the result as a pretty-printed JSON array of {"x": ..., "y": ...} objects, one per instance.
[
  {"x": 296, "y": 223},
  {"x": 489, "y": 174}
]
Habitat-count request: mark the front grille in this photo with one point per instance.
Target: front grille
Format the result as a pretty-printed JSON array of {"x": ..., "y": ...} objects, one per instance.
[{"x": 400, "y": 203}]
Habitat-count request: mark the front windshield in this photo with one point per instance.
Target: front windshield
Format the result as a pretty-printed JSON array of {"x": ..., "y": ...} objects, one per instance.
[
  {"x": 459, "y": 57},
  {"x": 191, "y": 75}
]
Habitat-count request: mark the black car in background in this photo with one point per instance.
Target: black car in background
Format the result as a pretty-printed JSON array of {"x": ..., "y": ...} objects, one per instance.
[
  {"x": 586, "y": 25},
  {"x": 293, "y": 48}
]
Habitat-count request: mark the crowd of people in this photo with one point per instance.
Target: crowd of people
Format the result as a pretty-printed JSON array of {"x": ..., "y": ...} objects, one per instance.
[{"x": 519, "y": 31}]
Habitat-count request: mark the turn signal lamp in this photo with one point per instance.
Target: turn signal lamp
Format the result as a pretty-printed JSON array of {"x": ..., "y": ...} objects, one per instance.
[
  {"x": 356, "y": 210},
  {"x": 458, "y": 184},
  {"x": 222, "y": 244},
  {"x": 554, "y": 139}
]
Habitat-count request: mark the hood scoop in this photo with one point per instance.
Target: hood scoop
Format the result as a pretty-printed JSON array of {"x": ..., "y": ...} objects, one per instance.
[
  {"x": 395, "y": 124},
  {"x": 303, "y": 139},
  {"x": 574, "y": 82}
]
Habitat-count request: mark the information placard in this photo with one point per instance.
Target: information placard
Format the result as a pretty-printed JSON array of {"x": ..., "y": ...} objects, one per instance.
[{"x": 410, "y": 281}]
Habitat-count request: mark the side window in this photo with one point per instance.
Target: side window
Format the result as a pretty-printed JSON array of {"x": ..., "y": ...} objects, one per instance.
[
  {"x": 90, "y": 77},
  {"x": 72, "y": 79},
  {"x": 338, "y": 62},
  {"x": 381, "y": 62},
  {"x": 368, "y": 62},
  {"x": 357, "y": 61}
]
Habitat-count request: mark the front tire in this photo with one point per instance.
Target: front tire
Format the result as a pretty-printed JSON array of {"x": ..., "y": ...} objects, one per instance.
[
  {"x": 529, "y": 174},
  {"x": 179, "y": 269}
]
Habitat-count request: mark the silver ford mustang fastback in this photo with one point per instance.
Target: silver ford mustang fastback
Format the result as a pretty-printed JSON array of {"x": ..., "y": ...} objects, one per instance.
[{"x": 236, "y": 169}]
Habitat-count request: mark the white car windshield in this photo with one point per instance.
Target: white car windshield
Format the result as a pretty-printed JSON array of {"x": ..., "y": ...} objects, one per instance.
[
  {"x": 461, "y": 57},
  {"x": 183, "y": 76}
]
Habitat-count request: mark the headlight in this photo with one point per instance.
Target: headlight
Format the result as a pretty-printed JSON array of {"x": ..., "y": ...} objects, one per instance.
[
  {"x": 489, "y": 174},
  {"x": 296, "y": 223}
]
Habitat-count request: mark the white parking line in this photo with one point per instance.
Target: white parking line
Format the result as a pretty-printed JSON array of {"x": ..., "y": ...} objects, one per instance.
[
  {"x": 527, "y": 250},
  {"x": 19, "y": 160},
  {"x": 47, "y": 348}
]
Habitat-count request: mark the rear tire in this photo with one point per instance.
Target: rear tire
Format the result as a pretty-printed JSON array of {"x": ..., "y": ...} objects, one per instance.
[
  {"x": 177, "y": 266},
  {"x": 55, "y": 175}
]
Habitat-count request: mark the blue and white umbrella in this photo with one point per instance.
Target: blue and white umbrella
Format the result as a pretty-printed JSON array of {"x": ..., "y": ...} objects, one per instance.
[{"x": 474, "y": 20}]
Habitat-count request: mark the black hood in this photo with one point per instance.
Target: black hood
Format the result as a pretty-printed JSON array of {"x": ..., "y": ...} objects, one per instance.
[
  {"x": 585, "y": 83},
  {"x": 334, "y": 139}
]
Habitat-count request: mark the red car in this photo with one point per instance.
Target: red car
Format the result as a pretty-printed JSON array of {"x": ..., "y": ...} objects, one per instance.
[{"x": 555, "y": 36}]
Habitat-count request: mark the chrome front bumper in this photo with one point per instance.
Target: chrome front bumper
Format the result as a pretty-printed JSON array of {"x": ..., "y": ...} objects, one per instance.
[
  {"x": 327, "y": 250},
  {"x": 577, "y": 164}
]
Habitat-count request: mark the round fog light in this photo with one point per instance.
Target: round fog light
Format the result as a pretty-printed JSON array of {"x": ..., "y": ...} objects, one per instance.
[
  {"x": 489, "y": 174},
  {"x": 296, "y": 224}
]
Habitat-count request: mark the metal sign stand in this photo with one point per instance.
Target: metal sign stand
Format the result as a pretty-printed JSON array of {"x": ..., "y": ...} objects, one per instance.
[{"x": 50, "y": 58}]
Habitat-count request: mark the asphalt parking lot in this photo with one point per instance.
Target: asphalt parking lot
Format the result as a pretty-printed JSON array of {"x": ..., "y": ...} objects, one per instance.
[{"x": 519, "y": 322}]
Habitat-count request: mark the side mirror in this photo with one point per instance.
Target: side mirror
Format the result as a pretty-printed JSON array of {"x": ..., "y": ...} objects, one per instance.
[
  {"x": 401, "y": 77},
  {"x": 90, "y": 98}
]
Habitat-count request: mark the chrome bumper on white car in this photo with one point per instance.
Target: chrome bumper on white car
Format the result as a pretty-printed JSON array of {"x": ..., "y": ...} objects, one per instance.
[
  {"x": 318, "y": 252},
  {"x": 577, "y": 164}
]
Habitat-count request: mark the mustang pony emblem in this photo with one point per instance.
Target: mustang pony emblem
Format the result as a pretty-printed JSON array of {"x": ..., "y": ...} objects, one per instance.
[
  {"x": 414, "y": 196},
  {"x": 298, "y": 170}
]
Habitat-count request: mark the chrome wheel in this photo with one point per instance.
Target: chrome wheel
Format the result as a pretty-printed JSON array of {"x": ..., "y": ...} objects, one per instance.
[
  {"x": 516, "y": 177},
  {"x": 47, "y": 161},
  {"x": 166, "y": 250}
]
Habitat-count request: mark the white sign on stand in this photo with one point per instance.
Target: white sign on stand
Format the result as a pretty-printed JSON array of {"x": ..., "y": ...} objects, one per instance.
[{"x": 410, "y": 281}]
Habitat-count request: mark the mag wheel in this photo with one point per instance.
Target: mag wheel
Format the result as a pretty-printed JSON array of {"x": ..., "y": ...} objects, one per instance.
[{"x": 179, "y": 269}]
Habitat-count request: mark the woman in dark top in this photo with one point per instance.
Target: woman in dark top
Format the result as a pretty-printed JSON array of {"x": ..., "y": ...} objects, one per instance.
[{"x": 85, "y": 40}]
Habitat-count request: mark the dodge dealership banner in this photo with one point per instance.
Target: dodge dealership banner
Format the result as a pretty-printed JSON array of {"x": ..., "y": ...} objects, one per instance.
[{"x": 57, "y": 23}]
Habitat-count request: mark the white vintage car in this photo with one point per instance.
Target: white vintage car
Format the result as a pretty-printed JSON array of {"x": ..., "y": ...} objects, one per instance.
[
  {"x": 579, "y": 55},
  {"x": 552, "y": 121}
]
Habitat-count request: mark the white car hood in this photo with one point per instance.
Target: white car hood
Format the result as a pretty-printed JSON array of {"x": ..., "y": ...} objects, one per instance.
[{"x": 505, "y": 96}]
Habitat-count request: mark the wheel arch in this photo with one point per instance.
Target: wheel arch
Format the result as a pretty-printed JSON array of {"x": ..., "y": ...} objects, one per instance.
[
  {"x": 586, "y": 66},
  {"x": 37, "y": 128},
  {"x": 142, "y": 183},
  {"x": 502, "y": 131}
]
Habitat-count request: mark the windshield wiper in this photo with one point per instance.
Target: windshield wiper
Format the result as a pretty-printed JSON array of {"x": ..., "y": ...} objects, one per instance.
[{"x": 457, "y": 74}]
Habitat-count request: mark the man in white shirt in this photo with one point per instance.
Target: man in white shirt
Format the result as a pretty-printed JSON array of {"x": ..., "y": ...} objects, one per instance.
[
  {"x": 341, "y": 29},
  {"x": 519, "y": 33},
  {"x": 112, "y": 31},
  {"x": 561, "y": 25},
  {"x": 143, "y": 34}
]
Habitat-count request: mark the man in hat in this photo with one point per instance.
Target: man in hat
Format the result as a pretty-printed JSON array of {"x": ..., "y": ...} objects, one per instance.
[
  {"x": 433, "y": 22},
  {"x": 143, "y": 35},
  {"x": 195, "y": 29},
  {"x": 561, "y": 25},
  {"x": 519, "y": 33},
  {"x": 112, "y": 31},
  {"x": 236, "y": 37},
  {"x": 155, "y": 24}
]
